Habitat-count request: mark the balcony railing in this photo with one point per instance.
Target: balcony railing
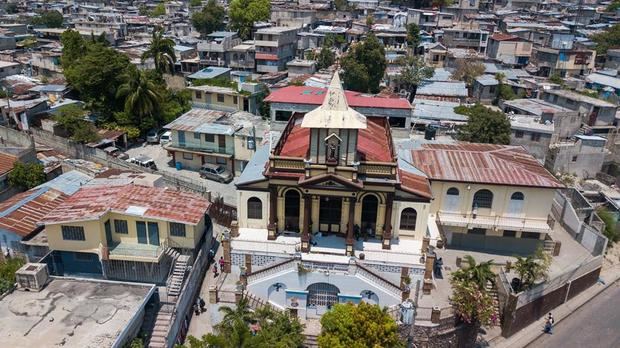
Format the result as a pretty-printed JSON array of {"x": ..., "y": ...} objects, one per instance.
[
  {"x": 124, "y": 251},
  {"x": 487, "y": 221}
]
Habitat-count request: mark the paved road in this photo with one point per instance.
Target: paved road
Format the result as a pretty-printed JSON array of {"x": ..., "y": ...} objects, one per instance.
[{"x": 595, "y": 325}]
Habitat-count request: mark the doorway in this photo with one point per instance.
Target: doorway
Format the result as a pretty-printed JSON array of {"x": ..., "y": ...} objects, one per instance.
[
  {"x": 370, "y": 203},
  {"x": 291, "y": 210},
  {"x": 329, "y": 214},
  {"x": 322, "y": 294}
]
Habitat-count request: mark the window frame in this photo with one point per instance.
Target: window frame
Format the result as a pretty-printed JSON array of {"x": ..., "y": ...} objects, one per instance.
[
  {"x": 73, "y": 233},
  {"x": 406, "y": 215},
  {"x": 210, "y": 138},
  {"x": 487, "y": 202},
  {"x": 175, "y": 229},
  {"x": 188, "y": 156},
  {"x": 118, "y": 223},
  {"x": 254, "y": 208},
  {"x": 519, "y": 134},
  {"x": 220, "y": 98}
]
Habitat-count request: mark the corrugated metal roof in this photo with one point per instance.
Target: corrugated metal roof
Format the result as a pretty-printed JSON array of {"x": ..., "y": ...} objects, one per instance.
[
  {"x": 90, "y": 203},
  {"x": 7, "y": 162},
  {"x": 314, "y": 96},
  {"x": 443, "y": 88},
  {"x": 21, "y": 213},
  {"x": 203, "y": 121},
  {"x": 253, "y": 171},
  {"x": 482, "y": 163},
  {"x": 68, "y": 183},
  {"x": 437, "y": 110}
]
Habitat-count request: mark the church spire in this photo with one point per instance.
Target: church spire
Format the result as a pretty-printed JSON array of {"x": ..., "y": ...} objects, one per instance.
[{"x": 335, "y": 111}]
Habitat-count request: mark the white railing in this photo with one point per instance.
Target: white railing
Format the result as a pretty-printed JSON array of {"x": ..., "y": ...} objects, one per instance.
[
  {"x": 380, "y": 282},
  {"x": 271, "y": 270},
  {"x": 508, "y": 222}
]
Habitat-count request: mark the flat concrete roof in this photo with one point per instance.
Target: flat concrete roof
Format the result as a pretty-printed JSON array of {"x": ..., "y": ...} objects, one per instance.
[{"x": 70, "y": 312}]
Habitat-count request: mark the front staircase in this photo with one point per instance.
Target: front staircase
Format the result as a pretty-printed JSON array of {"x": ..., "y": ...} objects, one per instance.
[
  {"x": 311, "y": 341},
  {"x": 175, "y": 282},
  {"x": 491, "y": 289},
  {"x": 161, "y": 327}
]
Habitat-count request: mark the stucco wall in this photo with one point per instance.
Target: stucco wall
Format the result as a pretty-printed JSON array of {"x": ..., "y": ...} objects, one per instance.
[
  {"x": 242, "y": 209},
  {"x": 421, "y": 223}
]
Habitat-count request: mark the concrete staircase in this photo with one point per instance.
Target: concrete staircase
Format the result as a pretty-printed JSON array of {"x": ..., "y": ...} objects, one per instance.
[
  {"x": 161, "y": 327},
  {"x": 492, "y": 290},
  {"x": 175, "y": 282},
  {"x": 311, "y": 341},
  {"x": 549, "y": 246}
]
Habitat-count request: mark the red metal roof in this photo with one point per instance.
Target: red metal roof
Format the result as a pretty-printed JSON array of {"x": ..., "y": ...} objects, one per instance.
[
  {"x": 90, "y": 203},
  {"x": 265, "y": 56},
  {"x": 415, "y": 184},
  {"x": 297, "y": 142},
  {"x": 482, "y": 163},
  {"x": 506, "y": 37},
  {"x": 315, "y": 96},
  {"x": 6, "y": 162},
  {"x": 21, "y": 213}
]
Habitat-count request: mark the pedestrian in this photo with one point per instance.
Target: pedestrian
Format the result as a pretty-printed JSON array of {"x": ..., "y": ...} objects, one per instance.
[
  {"x": 549, "y": 324},
  {"x": 215, "y": 274},
  {"x": 202, "y": 304},
  {"x": 196, "y": 310},
  {"x": 221, "y": 262}
]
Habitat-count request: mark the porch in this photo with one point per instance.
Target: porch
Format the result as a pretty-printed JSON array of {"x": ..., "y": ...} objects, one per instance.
[{"x": 135, "y": 252}]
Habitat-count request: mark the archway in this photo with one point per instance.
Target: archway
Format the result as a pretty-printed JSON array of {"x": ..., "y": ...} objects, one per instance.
[
  {"x": 322, "y": 294},
  {"x": 370, "y": 204},
  {"x": 292, "y": 200},
  {"x": 369, "y": 296}
]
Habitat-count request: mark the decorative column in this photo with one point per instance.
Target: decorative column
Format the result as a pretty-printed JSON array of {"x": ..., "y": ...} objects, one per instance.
[
  {"x": 272, "y": 227},
  {"x": 349, "y": 241},
  {"x": 305, "y": 234},
  {"x": 387, "y": 231}
]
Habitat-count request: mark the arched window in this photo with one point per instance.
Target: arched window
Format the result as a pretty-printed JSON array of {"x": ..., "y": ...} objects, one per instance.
[
  {"x": 517, "y": 196},
  {"x": 483, "y": 199},
  {"x": 515, "y": 206},
  {"x": 408, "y": 219},
  {"x": 453, "y": 191},
  {"x": 255, "y": 208}
]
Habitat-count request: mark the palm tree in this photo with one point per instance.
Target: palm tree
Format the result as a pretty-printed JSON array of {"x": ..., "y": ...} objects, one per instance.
[
  {"x": 532, "y": 268},
  {"x": 478, "y": 273},
  {"x": 241, "y": 313},
  {"x": 161, "y": 50},
  {"x": 141, "y": 95}
]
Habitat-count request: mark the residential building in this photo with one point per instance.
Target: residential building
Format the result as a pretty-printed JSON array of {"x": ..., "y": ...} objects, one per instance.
[
  {"x": 509, "y": 49},
  {"x": 289, "y": 100},
  {"x": 125, "y": 232},
  {"x": 296, "y": 17},
  {"x": 7, "y": 41},
  {"x": 563, "y": 62},
  {"x": 214, "y": 51},
  {"x": 227, "y": 98},
  {"x": 533, "y": 133},
  {"x": 428, "y": 20},
  {"x": 612, "y": 60},
  {"x": 242, "y": 57},
  {"x": 275, "y": 46},
  {"x": 499, "y": 207},
  {"x": 46, "y": 63},
  {"x": 485, "y": 89},
  {"x": 9, "y": 68},
  {"x": 582, "y": 156},
  {"x": 605, "y": 82},
  {"x": 212, "y": 72},
  {"x": 465, "y": 37},
  {"x": 455, "y": 91},
  {"x": 595, "y": 112},
  {"x": 97, "y": 23},
  {"x": 300, "y": 67},
  {"x": 8, "y": 157}
]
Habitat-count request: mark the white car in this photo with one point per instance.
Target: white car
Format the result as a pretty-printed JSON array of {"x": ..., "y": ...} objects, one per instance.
[
  {"x": 152, "y": 137},
  {"x": 165, "y": 138}
]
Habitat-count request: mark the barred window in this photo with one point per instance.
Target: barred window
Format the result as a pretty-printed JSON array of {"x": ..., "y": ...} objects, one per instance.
[
  {"x": 73, "y": 233},
  {"x": 177, "y": 229},
  {"x": 255, "y": 208},
  {"x": 120, "y": 226},
  {"x": 408, "y": 218},
  {"x": 483, "y": 199}
]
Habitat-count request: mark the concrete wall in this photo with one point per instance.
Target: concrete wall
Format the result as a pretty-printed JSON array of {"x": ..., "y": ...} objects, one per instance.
[
  {"x": 576, "y": 158},
  {"x": 198, "y": 142},
  {"x": 538, "y": 149},
  {"x": 421, "y": 224},
  {"x": 242, "y": 209}
]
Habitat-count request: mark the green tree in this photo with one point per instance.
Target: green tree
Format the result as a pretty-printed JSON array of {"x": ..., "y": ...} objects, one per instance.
[
  {"x": 613, "y": 6},
  {"x": 161, "y": 50},
  {"x": 326, "y": 58},
  {"x": 72, "y": 119},
  {"x": 7, "y": 273},
  {"x": 413, "y": 35},
  {"x": 505, "y": 92},
  {"x": 143, "y": 10},
  {"x": 484, "y": 125},
  {"x": 340, "y": 5},
  {"x": 611, "y": 225},
  {"x": 158, "y": 11},
  {"x": 532, "y": 268},
  {"x": 243, "y": 14},
  {"x": 557, "y": 79},
  {"x": 358, "y": 326},
  {"x": 49, "y": 19},
  {"x": 209, "y": 19},
  {"x": 73, "y": 47},
  {"x": 195, "y": 3},
  {"x": 609, "y": 38},
  {"x": 478, "y": 273},
  {"x": 473, "y": 306},
  {"x": 142, "y": 99},
  {"x": 26, "y": 175},
  {"x": 11, "y": 8},
  {"x": 364, "y": 65},
  {"x": 413, "y": 72},
  {"x": 467, "y": 70}
]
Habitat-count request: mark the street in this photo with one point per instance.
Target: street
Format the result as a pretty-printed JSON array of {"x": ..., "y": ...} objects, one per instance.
[{"x": 596, "y": 324}]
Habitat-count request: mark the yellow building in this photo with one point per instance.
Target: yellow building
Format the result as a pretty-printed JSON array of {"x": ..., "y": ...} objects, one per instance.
[{"x": 108, "y": 230}]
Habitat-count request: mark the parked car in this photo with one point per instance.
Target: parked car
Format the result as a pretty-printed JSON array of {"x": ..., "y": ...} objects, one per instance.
[
  {"x": 215, "y": 172},
  {"x": 152, "y": 137},
  {"x": 115, "y": 152},
  {"x": 143, "y": 161},
  {"x": 165, "y": 138}
]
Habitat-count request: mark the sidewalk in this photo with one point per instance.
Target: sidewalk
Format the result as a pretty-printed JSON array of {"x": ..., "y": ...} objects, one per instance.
[{"x": 532, "y": 332}]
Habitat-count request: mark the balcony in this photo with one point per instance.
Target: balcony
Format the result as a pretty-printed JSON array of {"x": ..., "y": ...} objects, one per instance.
[
  {"x": 133, "y": 252},
  {"x": 493, "y": 222}
]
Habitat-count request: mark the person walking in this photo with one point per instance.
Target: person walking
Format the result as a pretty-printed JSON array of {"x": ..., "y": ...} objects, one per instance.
[
  {"x": 549, "y": 324},
  {"x": 202, "y": 304},
  {"x": 221, "y": 262},
  {"x": 215, "y": 274}
]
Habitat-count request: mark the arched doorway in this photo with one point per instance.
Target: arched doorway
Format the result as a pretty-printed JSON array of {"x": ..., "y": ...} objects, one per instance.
[
  {"x": 322, "y": 294},
  {"x": 370, "y": 203},
  {"x": 291, "y": 210}
]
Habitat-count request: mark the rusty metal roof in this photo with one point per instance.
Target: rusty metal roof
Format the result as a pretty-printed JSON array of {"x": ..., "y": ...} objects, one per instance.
[
  {"x": 90, "y": 203},
  {"x": 20, "y": 213},
  {"x": 482, "y": 163},
  {"x": 7, "y": 162}
]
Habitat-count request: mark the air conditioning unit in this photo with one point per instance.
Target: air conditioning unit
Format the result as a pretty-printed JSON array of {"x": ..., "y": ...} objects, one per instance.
[{"x": 32, "y": 277}]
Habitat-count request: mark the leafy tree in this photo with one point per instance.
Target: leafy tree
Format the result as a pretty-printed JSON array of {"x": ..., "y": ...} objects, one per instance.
[
  {"x": 609, "y": 38},
  {"x": 473, "y": 306},
  {"x": 143, "y": 10},
  {"x": 243, "y": 14},
  {"x": 71, "y": 118},
  {"x": 613, "y": 6},
  {"x": 413, "y": 35},
  {"x": 557, "y": 79},
  {"x": 357, "y": 326},
  {"x": 49, "y": 19},
  {"x": 505, "y": 92},
  {"x": 370, "y": 20},
  {"x": 326, "y": 58},
  {"x": 11, "y": 8},
  {"x": 73, "y": 47},
  {"x": 7, "y": 273},
  {"x": 332, "y": 40},
  {"x": 484, "y": 125},
  {"x": 209, "y": 19},
  {"x": 441, "y": 3},
  {"x": 26, "y": 175},
  {"x": 467, "y": 71},
  {"x": 340, "y": 5},
  {"x": 158, "y": 11},
  {"x": 364, "y": 65},
  {"x": 611, "y": 226},
  {"x": 478, "y": 273},
  {"x": 195, "y": 3},
  {"x": 413, "y": 72},
  {"x": 142, "y": 98},
  {"x": 532, "y": 268},
  {"x": 161, "y": 50}
]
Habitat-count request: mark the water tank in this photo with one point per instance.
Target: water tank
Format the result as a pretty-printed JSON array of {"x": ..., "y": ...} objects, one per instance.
[{"x": 179, "y": 165}]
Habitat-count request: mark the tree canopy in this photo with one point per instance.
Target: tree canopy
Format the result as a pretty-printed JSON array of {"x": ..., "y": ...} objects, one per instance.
[
  {"x": 610, "y": 38},
  {"x": 467, "y": 71},
  {"x": 72, "y": 119},
  {"x": 49, "y": 19},
  {"x": 244, "y": 13},
  {"x": 532, "y": 268},
  {"x": 209, "y": 19},
  {"x": 484, "y": 125},
  {"x": 26, "y": 175},
  {"x": 161, "y": 50},
  {"x": 413, "y": 35},
  {"x": 364, "y": 66},
  {"x": 326, "y": 58},
  {"x": 413, "y": 72},
  {"x": 358, "y": 326}
]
